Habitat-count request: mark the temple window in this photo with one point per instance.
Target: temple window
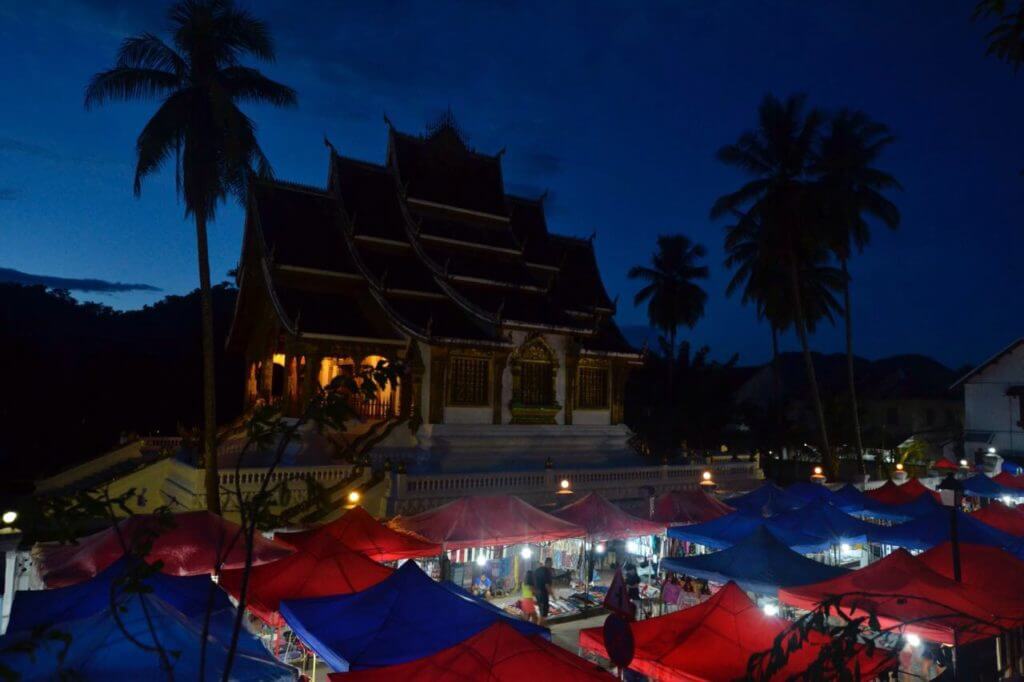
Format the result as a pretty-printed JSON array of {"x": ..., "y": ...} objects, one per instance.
[
  {"x": 468, "y": 381},
  {"x": 534, "y": 370},
  {"x": 593, "y": 388}
]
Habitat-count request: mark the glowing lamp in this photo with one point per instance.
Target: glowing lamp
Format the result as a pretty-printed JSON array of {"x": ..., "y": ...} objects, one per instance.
[
  {"x": 899, "y": 467},
  {"x": 844, "y": 547},
  {"x": 991, "y": 451},
  {"x": 770, "y": 609},
  {"x": 600, "y": 548},
  {"x": 526, "y": 553},
  {"x": 10, "y": 517},
  {"x": 818, "y": 475},
  {"x": 481, "y": 560},
  {"x": 912, "y": 639},
  {"x": 963, "y": 463},
  {"x": 353, "y": 497},
  {"x": 564, "y": 487},
  {"x": 632, "y": 547},
  {"x": 706, "y": 481}
]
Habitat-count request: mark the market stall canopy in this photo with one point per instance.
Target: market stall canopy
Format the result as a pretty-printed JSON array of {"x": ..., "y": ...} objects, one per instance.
[
  {"x": 486, "y": 521},
  {"x": 981, "y": 485},
  {"x": 933, "y": 529},
  {"x": 900, "y": 589},
  {"x": 99, "y": 649},
  {"x": 190, "y": 543},
  {"x": 816, "y": 492},
  {"x": 688, "y": 506},
  {"x": 359, "y": 531},
  {"x": 997, "y": 573},
  {"x": 322, "y": 567},
  {"x": 714, "y": 641},
  {"x": 497, "y": 654},
  {"x": 729, "y": 530},
  {"x": 43, "y": 608},
  {"x": 894, "y": 493},
  {"x": 602, "y": 520},
  {"x": 944, "y": 464},
  {"x": 758, "y": 563},
  {"x": 404, "y": 618},
  {"x": 1007, "y": 479},
  {"x": 922, "y": 505},
  {"x": 999, "y": 516},
  {"x": 822, "y": 520},
  {"x": 767, "y": 500}
]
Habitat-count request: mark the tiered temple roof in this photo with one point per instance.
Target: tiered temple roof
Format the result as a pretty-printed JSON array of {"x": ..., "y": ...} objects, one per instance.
[{"x": 427, "y": 245}]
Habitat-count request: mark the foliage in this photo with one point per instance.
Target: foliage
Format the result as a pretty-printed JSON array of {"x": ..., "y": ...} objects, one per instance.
[{"x": 1006, "y": 38}]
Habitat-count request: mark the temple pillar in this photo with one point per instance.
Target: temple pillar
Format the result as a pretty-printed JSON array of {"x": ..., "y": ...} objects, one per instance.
[
  {"x": 291, "y": 384},
  {"x": 310, "y": 378},
  {"x": 266, "y": 379},
  {"x": 438, "y": 379},
  {"x": 572, "y": 361},
  {"x": 251, "y": 388},
  {"x": 498, "y": 370}
]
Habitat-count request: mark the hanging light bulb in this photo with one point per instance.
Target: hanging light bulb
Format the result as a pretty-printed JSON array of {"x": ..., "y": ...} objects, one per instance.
[
  {"x": 481, "y": 560},
  {"x": 526, "y": 553}
]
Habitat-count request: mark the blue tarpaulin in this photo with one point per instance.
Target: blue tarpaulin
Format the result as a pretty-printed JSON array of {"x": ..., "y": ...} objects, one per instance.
[
  {"x": 822, "y": 520},
  {"x": 730, "y": 529},
  {"x": 922, "y": 505},
  {"x": 981, "y": 485},
  {"x": 97, "y": 648},
  {"x": 767, "y": 500},
  {"x": 815, "y": 492},
  {"x": 933, "y": 529},
  {"x": 403, "y": 618},
  {"x": 758, "y": 563}
]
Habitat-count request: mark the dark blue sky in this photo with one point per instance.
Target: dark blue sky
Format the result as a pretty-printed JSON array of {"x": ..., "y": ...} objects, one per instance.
[{"x": 616, "y": 108}]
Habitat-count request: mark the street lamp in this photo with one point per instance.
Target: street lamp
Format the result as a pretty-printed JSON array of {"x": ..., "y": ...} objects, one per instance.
[
  {"x": 564, "y": 487},
  {"x": 818, "y": 476},
  {"x": 706, "y": 482}
]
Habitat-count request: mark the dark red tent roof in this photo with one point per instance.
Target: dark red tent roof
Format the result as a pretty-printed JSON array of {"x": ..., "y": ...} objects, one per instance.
[
  {"x": 604, "y": 521},
  {"x": 998, "y": 515},
  {"x": 191, "y": 545},
  {"x": 715, "y": 640},
  {"x": 893, "y": 493},
  {"x": 360, "y": 532},
  {"x": 946, "y": 464},
  {"x": 996, "y": 572},
  {"x": 1005, "y": 478},
  {"x": 900, "y": 589},
  {"x": 322, "y": 567},
  {"x": 486, "y": 521},
  {"x": 688, "y": 506},
  {"x": 496, "y": 654}
]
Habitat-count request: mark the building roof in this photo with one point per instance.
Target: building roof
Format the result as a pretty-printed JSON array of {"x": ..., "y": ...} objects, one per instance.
[
  {"x": 427, "y": 246},
  {"x": 991, "y": 361}
]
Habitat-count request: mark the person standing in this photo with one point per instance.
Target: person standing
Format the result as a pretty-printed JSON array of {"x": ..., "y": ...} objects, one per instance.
[{"x": 542, "y": 579}]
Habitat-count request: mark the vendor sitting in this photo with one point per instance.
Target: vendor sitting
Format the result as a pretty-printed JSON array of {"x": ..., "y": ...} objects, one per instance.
[{"x": 482, "y": 585}]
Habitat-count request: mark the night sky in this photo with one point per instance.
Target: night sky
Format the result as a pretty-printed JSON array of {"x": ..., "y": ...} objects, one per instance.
[{"x": 616, "y": 110}]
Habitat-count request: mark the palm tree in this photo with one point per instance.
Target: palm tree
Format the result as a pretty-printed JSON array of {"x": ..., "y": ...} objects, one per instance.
[
  {"x": 1006, "y": 38},
  {"x": 851, "y": 190},
  {"x": 201, "y": 81},
  {"x": 777, "y": 154},
  {"x": 672, "y": 294},
  {"x": 757, "y": 274}
]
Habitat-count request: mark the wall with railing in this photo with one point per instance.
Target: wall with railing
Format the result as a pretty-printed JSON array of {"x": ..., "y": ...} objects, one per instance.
[{"x": 414, "y": 493}]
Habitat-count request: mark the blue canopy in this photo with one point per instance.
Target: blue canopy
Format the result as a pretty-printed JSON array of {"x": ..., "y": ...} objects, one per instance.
[
  {"x": 730, "y": 529},
  {"x": 922, "y": 505},
  {"x": 815, "y": 492},
  {"x": 981, "y": 485},
  {"x": 403, "y": 618},
  {"x": 98, "y": 648},
  {"x": 824, "y": 521},
  {"x": 933, "y": 529},
  {"x": 758, "y": 563},
  {"x": 767, "y": 500}
]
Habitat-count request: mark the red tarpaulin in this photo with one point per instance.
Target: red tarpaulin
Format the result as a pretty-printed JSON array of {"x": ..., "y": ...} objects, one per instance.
[
  {"x": 190, "y": 545},
  {"x": 360, "y": 532},
  {"x": 497, "y": 654},
  {"x": 715, "y": 640},
  {"x": 892, "y": 493},
  {"x": 900, "y": 589},
  {"x": 945, "y": 464},
  {"x": 1005, "y": 478},
  {"x": 604, "y": 521},
  {"x": 486, "y": 521},
  {"x": 995, "y": 574},
  {"x": 689, "y": 506},
  {"x": 322, "y": 567},
  {"x": 998, "y": 515}
]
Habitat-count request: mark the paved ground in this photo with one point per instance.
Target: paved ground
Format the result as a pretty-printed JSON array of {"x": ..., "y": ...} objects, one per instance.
[{"x": 566, "y": 635}]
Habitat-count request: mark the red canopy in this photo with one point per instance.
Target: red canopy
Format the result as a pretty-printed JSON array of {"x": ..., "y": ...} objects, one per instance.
[
  {"x": 946, "y": 464},
  {"x": 322, "y": 567},
  {"x": 496, "y": 654},
  {"x": 998, "y": 515},
  {"x": 604, "y": 521},
  {"x": 892, "y": 493},
  {"x": 715, "y": 640},
  {"x": 191, "y": 545},
  {"x": 1005, "y": 478},
  {"x": 900, "y": 589},
  {"x": 360, "y": 532},
  {"x": 486, "y": 521},
  {"x": 996, "y": 574},
  {"x": 689, "y": 506}
]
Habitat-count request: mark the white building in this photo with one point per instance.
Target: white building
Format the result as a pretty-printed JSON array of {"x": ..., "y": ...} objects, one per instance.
[{"x": 993, "y": 409}]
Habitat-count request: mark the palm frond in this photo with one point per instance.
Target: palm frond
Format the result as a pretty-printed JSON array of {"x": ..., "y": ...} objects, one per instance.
[
  {"x": 126, "y": 83},
  {"x": 249, "y": 85}
]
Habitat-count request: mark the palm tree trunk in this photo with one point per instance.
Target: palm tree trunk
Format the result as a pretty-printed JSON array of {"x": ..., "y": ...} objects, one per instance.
[
  {"x": 828, "y": 458},
  {"x": 777, "y": 384},
  {"x": 671, "y": 365},
  {"x": 212, "y": 475},
  {"x": 849, "y": 369}
]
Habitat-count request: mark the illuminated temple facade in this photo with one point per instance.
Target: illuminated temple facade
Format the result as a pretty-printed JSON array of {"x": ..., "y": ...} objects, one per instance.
[{"x": 426, "y": 259}]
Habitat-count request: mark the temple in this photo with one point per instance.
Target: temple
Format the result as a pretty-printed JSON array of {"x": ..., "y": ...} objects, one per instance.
[{"x": 426, "y": 259}]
